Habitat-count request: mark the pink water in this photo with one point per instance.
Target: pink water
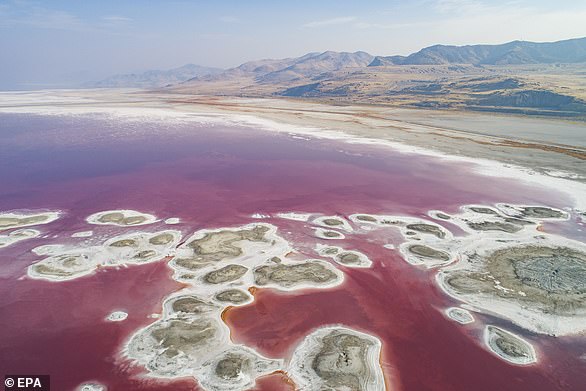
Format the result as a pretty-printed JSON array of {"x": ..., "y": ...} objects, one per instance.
[{"x": 218, "y": 176}]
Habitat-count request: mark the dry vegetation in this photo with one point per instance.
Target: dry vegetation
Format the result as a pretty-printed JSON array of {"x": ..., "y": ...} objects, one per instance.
[{"x": 552, "y": 90}]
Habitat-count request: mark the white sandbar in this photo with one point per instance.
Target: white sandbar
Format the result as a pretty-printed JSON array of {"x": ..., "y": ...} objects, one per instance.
[
  {"x": 117, "y": 316},
  {"x": 101, "y": 218},
  {"x": 17, "y": 236}
]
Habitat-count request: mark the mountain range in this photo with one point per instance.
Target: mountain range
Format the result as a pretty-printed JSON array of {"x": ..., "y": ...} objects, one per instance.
[
  {"x": 321, "y": 65},
  {"x": 512, "y": 53},
  {"x": 289, "y": 69},
  {"x": 155, "y": 78},
  {"x": 518, "y": 77}
]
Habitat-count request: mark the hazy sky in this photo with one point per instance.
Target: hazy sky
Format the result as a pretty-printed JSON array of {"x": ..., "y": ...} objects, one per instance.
[{"x": 58, "y": 43}]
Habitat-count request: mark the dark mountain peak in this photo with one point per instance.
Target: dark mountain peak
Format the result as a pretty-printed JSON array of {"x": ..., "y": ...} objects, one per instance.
[
  {"x": 322, "y": 63},
  {"x": 309, "y": 65},
  {"x": 514, "y": 52}
]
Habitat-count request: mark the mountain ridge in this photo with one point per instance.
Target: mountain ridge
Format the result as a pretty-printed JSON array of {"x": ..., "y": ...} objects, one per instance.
[
  {"x": 510, "y": 53},
  {"x": 516, "y": 77},
  {"x": 155, "y": 78},
  {"x": 293, "y": 68},
  {"x": 316, "y": 66}
]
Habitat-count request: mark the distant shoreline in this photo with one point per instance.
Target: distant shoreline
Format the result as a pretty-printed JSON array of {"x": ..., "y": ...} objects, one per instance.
[{"x": 464, "y": 137}]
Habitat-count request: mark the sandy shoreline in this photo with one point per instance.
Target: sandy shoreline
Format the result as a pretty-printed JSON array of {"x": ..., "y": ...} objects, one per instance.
[{"x": 543, "y": 144}]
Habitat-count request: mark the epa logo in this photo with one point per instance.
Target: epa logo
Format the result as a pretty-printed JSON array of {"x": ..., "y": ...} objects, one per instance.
[{"x": 27, "y": 383}]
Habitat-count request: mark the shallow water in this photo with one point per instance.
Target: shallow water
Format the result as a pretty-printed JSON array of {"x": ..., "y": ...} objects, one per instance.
[{"x": 214, "y": 176}]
